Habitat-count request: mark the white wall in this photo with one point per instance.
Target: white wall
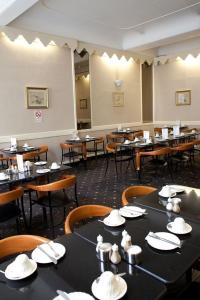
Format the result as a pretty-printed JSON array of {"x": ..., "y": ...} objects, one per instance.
[
  {"x": 103, "y": 73},
  {"x": 24, "y": 65},
  {"x": 169, "y": 78}
]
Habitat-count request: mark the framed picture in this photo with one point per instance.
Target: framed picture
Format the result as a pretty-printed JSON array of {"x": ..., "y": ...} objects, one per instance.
[
  {"x": 37, "y": 97},
  {"x": 83, "y": 103},
  {"x": 118, "y": 99},
  {"x": 183, "y": 97}
]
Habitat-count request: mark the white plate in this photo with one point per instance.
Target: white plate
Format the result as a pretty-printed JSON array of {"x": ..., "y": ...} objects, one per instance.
[
  {"x": 177, "y": 188},
  {"x": 40, "y": 163},
  {"x": 6, "y": 177},
  {"x": 107, "y": 222},
  {"x": 38, "y": 256},
  {"x": 161, "y": 245},
  {"x": 42, "y": 171},
  {"x": 30, "y": 147},
  {"x": 76, "y": 296},
  {"x": 172, "y": 195},
  {"x": 187, "y": 229},
  {"x": 122, "y": 286},
  {"x": 9, "y": 274},
  {"x": 7, "y": 149},
  {"x": 131, "y": 211}
]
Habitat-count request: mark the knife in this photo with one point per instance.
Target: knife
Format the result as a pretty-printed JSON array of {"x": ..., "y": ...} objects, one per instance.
[
  {"x": 47, "y": 254},
  {"x": 155, "y": 236},
  {"x": 63, "y": 294},
  {"x": 134, "y": 211}
]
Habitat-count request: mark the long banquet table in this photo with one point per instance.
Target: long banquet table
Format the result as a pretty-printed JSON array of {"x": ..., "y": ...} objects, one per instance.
[{"x": 75, "y": 272}]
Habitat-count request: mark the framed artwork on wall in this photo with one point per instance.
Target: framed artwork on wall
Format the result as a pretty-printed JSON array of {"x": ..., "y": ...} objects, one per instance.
[
  {"x": 83, "y": 103},
  {"x": 117, "y": 99},
  {"x": 183, "y": 97},
  {"x": 37, "y": 97}
]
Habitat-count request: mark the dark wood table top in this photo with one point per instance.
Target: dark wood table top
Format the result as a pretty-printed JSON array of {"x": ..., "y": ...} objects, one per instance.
[
  {"x": 81, "y": 140},
  {"x": 189, "y": 205},
  {"x": 167, "y": 266},
  {"x": 75, "y": 272},
  {"x": 19, "y": 150},
  {"x": 21, "y": 177}
]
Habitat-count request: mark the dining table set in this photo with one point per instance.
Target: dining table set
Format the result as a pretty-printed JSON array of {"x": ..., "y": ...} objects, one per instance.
[{"x": 78, "y": 266}]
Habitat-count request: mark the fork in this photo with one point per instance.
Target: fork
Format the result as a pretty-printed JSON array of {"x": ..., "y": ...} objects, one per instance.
[
  {"x": 155, "y": 236},
  {"x": 52, "y": 249}
]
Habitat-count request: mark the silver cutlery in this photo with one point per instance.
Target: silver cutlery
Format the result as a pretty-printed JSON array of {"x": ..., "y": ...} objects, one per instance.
[
  {"x": 155, "y": 236},
  {"x": 52, "y": 249},
  {"x": 47, "y": 254},
  {"x": 130, "y": 210},
  {"x": 63, "y": 294}
]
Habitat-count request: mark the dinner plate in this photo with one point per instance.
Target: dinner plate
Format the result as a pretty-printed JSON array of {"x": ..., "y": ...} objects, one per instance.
[
  {"x": 76, "y": 296},
  {"x": 131, "y": 211},
  {"x": 177, "y": 188},
  {"x": 6, "y": 177},
  {"x": 161, "y": 245},
  {"x": 108, "y": 223},
  {"x": 11, "y": 271},
  {"x": 122, "y": 286},
  {"x": 188, "y": 228},
  {"x": 39, "y": 257},
  {"x": 42, "y": 171},
  {"x": 172, "y": 195},
  {"x": 40, "y": 163},
  {"x": 6, "y": 149}
]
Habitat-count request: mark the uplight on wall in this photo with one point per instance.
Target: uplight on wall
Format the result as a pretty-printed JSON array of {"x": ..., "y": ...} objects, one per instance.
[
  {"x": 189, "y": 60},
  {"x": 114, "y": 61}
]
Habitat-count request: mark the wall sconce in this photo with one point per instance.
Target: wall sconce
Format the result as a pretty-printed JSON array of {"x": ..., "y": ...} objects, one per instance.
[{"x": 118, "y": 83}]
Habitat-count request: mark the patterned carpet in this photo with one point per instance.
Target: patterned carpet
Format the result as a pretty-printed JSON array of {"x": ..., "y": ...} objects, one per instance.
[{"x": 94, "y": 187}]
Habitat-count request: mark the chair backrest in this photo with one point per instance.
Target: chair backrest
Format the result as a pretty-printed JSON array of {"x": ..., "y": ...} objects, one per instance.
[
  {"x": 114, "y": 137},
  {"x": 158, "y": 130},
  {"x": 183, "y": 147},
  {"x": 19, "y": 243},
  {"x": 66, "y": 146},
  {"x": 30, "y": 155},
  {"x": 138, "y": 134},
  {"x": 158, "y": 152},
  {"x": 136, "y": 191},
  {"x": 111, "y": 147},
  {"x": 84, "y": 212},
  {"x": 10, "y": 196},
  {"x": 66, "y": 182},
  {"x": 43, "y": 149}
]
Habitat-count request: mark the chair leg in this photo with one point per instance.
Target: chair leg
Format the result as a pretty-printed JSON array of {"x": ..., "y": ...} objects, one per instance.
[
  {"x": 107, "y": 162},
  {"x": 23, "y": 214},
  {"x": 76, "y": 197},
  {"x": 51, "y": 221}
]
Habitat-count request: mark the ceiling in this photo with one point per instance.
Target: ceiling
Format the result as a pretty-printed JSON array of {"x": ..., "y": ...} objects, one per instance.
[{"x": 135, "y": 25}]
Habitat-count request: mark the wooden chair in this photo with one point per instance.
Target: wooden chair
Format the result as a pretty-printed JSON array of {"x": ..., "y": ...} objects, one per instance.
[
  {"x": 10, "y": 206},
  {"x": 98, "y": 147},
  {"x": 183, "y": 153},
  {"x": 19, "y": 243},
  {"x": 43, "y": 149},
  {"x": 115, "y": 138},
  {"x": 52, "y": 195},
  {"x": 71, "y": 151},
  {"x": 136, "y": 191},
  {"x": 84, "y": 212},
  {"x": 158, "y": 130},
  {"x": 118, "y": 153},
  {"x": 164, "y": 152},
  {"x": 32, "y": 156},
  {"x": 4, "y": 161}
]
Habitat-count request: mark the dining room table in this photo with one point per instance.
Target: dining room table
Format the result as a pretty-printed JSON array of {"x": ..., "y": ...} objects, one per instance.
[
  {"x": 18, "y": 150},
  {"x": 76, "y": 271},
  {"x": 83, "y": 141}
]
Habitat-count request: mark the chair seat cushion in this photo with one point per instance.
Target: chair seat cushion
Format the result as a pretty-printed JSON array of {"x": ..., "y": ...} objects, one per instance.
[{"x": 9, "y": 211}]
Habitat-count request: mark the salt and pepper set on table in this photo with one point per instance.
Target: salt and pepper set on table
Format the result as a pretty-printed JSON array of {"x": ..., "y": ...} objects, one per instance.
[{"x": 107, "y": 252}]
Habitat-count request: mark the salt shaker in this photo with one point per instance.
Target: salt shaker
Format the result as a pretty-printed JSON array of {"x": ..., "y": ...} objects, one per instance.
[
  {"x": 176, "y": 208},
  {"x": 123, "y": 241},
  {"x": 128, "y": 242},
  {"x": 115, "y": 256},
  {"x": 99, "y": 242}
]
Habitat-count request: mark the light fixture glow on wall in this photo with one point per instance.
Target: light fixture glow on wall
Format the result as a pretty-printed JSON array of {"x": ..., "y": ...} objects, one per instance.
[{"x": 118, "y": 83}]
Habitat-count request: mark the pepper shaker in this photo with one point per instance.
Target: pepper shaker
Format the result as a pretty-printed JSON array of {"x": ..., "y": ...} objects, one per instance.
[
  {"x": 115, "y": 256},
  {"x": 99, "y": 242}
]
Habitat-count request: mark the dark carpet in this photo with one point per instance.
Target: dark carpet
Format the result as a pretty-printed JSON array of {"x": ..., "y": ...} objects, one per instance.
[{"x": 94, "y": 187}]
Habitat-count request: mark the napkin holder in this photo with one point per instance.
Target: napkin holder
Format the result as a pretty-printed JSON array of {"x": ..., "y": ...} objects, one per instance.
[{"x": 20, "y": 163}]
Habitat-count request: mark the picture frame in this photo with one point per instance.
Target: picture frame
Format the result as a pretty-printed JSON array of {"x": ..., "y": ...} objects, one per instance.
[
  {"x": 83, "y": 103},
  {"x": 117, "y": 99},
  {"x": 183, "y": 97},
  {"x": 37, "y": 97}
]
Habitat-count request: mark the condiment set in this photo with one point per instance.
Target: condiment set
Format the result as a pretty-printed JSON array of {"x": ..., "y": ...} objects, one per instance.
[
  {"x": 173, "y": 205},
  {"x": 108, "y": 252}
]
